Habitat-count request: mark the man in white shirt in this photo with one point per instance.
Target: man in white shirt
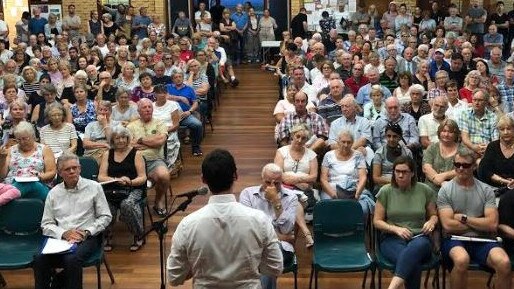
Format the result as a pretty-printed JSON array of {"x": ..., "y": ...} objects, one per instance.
[
  {"x": 224, "y": 244},
  {"x": 428, "y": 124}
]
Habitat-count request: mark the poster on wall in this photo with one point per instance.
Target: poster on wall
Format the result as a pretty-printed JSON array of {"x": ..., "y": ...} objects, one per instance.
[
  {"x": 335, "y": 8},
  {"x": 46, "y": 9}
]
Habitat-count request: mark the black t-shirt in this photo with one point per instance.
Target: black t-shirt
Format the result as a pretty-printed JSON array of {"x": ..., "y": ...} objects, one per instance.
[
  {"x": 458, "y": 76},
  {"x": 110, "y": 95},
  {"x": 297, "y": 25},
  {"x": 504, "y": 18},
  {"x": 165, "y": 79}
]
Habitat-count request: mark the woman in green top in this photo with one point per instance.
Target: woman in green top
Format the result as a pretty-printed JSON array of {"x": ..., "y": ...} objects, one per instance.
[{"x": 406, "y": 215}]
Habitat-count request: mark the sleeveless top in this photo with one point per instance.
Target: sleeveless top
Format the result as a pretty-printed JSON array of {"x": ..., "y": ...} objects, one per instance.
[
  {"x": 95, "y": 27},
  {"x": 22, "y": 166},
  {"x": 126, "y": 167}
]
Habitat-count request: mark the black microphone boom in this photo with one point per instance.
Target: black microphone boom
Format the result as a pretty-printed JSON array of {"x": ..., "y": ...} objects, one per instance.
[{"x": 194, "y": 193}]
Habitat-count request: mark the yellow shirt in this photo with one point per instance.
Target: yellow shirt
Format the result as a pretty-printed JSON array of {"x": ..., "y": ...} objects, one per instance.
[{"x": 140, "y": 129}]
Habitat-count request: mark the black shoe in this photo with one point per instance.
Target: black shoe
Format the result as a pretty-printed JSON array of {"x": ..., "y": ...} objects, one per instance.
[{"x": 234, "y": 83}]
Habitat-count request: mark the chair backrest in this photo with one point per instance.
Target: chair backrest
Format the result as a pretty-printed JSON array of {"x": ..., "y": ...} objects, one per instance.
[
  {"x": 22, "y": 216},
  {"x": 89, "y": 168},
  {"x": 338, "y": 218}
]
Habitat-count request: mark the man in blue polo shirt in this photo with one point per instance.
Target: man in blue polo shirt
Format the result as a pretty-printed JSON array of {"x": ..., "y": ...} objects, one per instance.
[
  {"x": 241, "y": 20},
  {"x": 37, "y": 23},
  {"x": 186, "y": 98}
]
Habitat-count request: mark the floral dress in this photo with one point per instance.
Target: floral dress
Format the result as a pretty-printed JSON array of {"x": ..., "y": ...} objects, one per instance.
[
  {"x": 22, "y": 166},
  {"x": 82, "y": 119}
]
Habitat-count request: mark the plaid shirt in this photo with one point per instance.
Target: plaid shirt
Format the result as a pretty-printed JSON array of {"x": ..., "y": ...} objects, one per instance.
[
  {"x": 313, "y": 120},
  {"x": 480, "y": 130},
  {"x": 507, "y": 96}
]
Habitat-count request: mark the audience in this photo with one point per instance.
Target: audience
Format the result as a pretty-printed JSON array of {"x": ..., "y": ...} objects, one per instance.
[{"x": 407, "y": 85}]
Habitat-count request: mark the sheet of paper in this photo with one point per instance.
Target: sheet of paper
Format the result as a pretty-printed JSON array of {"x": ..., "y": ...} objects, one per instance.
[
  {"x": 108, "y": 182},
  {"x": 26, "y": 179},
  {"x": 474, "y": 239},
  {"x": 54, "y": 246}
]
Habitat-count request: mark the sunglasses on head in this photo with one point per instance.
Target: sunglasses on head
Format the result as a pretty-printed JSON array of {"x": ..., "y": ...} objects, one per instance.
[{"x": 462, "y": 165}]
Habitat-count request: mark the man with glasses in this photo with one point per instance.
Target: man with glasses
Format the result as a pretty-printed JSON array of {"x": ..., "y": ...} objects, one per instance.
[
  {"x": 106, "y": 91},
  {"x": 478, "y": 124},
  {"x": 186, "y": 53},
  {"x": 506, "y": 89},
  {"x": 160, "y": 76},
  {"x": 441, "y": 78},
  {"x": 467, "y": 209},
  {"x": 406, "y": 64},
  {"x": 280, "y": 205},
  {"x": 428, "y": 124},
  {"x": 76, "y": 211}
]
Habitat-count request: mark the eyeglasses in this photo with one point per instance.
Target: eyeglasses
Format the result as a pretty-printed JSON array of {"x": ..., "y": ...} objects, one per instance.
[{"x": 462, "y": 165}]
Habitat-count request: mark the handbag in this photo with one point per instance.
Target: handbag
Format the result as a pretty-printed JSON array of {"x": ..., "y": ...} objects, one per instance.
[
  {"x": 345, "y": 193},
  {"x": 117, "y": 195}
]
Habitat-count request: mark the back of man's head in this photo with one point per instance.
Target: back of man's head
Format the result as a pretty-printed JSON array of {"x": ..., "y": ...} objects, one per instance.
[{"x": 219, "y": 171}]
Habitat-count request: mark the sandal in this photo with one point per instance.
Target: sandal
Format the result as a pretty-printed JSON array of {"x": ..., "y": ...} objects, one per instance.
[
  {"x": 138, "y": 243},
  {"x": 159, "y": 211},
  {"x": 309, "y": 241}
]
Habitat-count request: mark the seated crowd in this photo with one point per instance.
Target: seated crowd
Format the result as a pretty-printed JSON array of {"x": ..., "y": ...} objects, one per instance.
[{"x": 410, "y": 116}]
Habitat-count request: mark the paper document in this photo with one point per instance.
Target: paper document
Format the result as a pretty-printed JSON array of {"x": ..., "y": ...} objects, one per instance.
[
  {"x": 108, "y": 182},
  {"x": 54, "y": 246},
  {"x": 475, "y": 239},
  {"x": 26, "y": 179}
]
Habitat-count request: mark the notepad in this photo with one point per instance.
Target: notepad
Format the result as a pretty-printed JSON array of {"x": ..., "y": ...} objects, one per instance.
[
  {"x": 26, "y": 179},
  {"x": 108, "y": 182},
  {"x": 475, "y": 239},
  {"x": 55, "y": 246}
]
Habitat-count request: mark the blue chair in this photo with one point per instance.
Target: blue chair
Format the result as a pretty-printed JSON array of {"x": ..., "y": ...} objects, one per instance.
[
  {"x": 339, "y": 240},
  {"x": 89, "y": 168},
  {"x": 20, "y": 237},
  {"x": 383, "y": 263},
  {"x": 96, "y": 259}
]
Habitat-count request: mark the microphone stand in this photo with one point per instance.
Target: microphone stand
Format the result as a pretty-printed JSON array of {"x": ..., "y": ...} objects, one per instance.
[{"x": 161, "y": 229}]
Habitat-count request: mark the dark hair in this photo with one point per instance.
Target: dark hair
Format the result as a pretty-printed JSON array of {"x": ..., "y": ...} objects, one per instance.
[
  {"x": 43, "y": 76},
  {"x": 395, "y": 128},
  {"x": 452, "y": 126},
  {"x": 291, "y": 46},
  {"x": 407, "y": 75},
  {"x": 486, "y": 66},
  {"x": 324, "y": 14},
  {"x": 6, "y": 87},
  {"x": 457, "y": 56},
  {"x": 144, "y": 74},
  {"x": 160, "y": 88},
  {"x": 451, "y": 83},
  {"x": 499, "y": 3},
  {"x": 219, "y": 170},
  {"x": 404, "y": 160}
]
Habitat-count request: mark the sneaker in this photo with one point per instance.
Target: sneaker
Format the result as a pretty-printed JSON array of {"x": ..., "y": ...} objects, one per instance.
[{"x": 308, "y": 217}]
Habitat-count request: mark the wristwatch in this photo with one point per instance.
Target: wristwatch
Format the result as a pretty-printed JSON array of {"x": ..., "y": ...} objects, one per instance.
[
  {"x": 140, "y": 140},
  {"x": 87, "y": 234},
  {"x": 464, "y": 219}
]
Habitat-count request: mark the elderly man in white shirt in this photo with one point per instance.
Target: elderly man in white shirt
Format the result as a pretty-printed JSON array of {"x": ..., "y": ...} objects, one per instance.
[{"x": 428, "y": 124}]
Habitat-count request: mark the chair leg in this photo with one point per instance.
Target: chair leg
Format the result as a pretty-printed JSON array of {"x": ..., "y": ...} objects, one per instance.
[
  {"x": 489, "y": 280},
  {"x": 426, "y": 279},
  {"x": 373, "y": 271},
  {"x": 2, "y": 281},
  {"x": 98, "y": 276},
  {"x": 295, "y": 273},
  {"x": 364, "y": 279},
  {"x": 379, "y": 279},
  {"x": 310, "y": 278},
  {"x": 149, "y": 212},
  {"x": 316, "y": 279},
  {"x": 444, "y": 277},
  {"x": 108, "y": 268}
]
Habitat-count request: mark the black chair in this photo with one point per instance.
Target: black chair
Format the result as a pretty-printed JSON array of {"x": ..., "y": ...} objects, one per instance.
[{"x": 292, "y": 267}]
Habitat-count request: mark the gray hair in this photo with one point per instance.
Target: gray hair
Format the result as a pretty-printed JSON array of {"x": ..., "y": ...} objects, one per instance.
[
  {"x": 53, "y": 106},
  {"x": 25, "y": 128},
  {"x": 19, "y": 103},
  {"x": 107, "y": 15},
  {"x": 49, "y": 88},
  {"x": 301, "y": 127},
  {"x": 122, "y": 91},
  {"x": 122, "y": 131},
  {"x": 346, "y": 133},
  {"x": 466, "y": 153},
  {"x": 105, "y": 103},
  {"x": 271, "y": 168},
  {"x": 66, "y": 157}
]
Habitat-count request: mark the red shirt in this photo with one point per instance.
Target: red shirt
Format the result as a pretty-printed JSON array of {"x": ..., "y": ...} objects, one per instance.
[
  {"x": 354, "y": 86},
  {"x": 466, "y": 94},
  {"x": 186, "y": 55}
]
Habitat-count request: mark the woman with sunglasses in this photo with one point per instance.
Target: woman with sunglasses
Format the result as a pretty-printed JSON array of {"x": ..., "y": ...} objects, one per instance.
[
  {"x": 404, "y": 235},
  {"x": 497, "y": 166},
  {"x": 300, "y": 167},
  {"x": 438, "y": 157},
  {"x": 387, "y": 154}
]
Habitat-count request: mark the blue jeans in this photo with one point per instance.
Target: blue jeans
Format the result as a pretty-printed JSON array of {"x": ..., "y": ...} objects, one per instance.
[
  {"x": 196, "y": 128},
  {"x": 408, "y": 256}
]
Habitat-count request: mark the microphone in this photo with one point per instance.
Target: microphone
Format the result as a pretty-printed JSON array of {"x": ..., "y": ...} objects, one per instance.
[{"x": 194, "y": 193}]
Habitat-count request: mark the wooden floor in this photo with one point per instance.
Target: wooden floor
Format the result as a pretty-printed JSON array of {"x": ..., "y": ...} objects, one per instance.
[{"x": 243, "y": 124}]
